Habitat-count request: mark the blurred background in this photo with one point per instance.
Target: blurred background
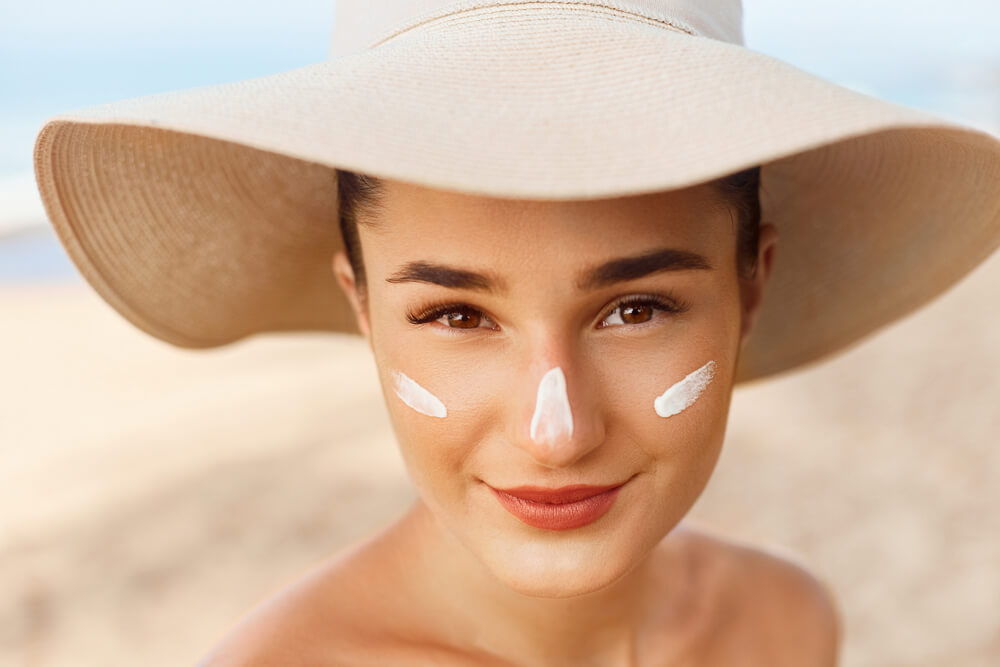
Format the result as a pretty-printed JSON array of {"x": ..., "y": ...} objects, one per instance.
[{"x": 149, "y": 496}]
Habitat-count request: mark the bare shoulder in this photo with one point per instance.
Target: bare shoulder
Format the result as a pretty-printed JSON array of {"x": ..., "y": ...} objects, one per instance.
[
  {"x": 354, "y": 609},
  {"x": 771, "y": 602},
  {"x": 303, "y": 623}
]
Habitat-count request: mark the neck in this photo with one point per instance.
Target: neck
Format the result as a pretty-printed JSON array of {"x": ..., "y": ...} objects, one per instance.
[{"x": 473, "y": 611}]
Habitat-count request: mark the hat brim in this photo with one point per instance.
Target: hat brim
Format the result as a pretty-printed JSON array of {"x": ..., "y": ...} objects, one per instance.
[{"x": 209, "y": 214}]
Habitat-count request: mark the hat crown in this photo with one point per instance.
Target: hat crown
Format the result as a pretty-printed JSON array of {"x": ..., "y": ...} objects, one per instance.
[{"x": 358, "y": 26}]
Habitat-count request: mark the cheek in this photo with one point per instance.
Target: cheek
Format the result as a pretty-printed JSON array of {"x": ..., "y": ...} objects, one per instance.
[
  {"x": 676, "y": 381},
  {"x": 674, "y": 404},
  {"x": 432, "y": 391},
  {"x": 682, "y": 394},
  {"x": 680, "y": 452},
  {"x": 444, "y": 406},
  {"x": 415, "y": 396}
]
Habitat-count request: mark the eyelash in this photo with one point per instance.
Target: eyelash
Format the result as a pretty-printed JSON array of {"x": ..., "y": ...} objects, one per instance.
[
  {"x": 435, "y": 311},
  {"x": 671, "y": 305}
]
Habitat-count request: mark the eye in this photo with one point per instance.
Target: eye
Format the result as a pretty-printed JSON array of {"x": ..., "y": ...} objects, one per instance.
[
  {"x": 453, "y": 316},
  {"x": 639, "y": 310}
]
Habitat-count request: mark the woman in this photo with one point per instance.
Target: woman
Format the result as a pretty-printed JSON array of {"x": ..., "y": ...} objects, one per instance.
[
  {"x": 623, "y": 298},
  {"x": 556, "y": 243}
]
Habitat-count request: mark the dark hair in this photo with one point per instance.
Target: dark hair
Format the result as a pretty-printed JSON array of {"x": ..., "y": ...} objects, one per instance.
[
  {"x": 361, "y": 198},
  {"x": 741, "y": 190}
]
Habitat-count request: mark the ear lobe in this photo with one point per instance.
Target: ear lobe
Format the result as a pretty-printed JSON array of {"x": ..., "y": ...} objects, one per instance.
[
  {"x": 345, "y": 278},
  {"x": 752, "y": 289}
]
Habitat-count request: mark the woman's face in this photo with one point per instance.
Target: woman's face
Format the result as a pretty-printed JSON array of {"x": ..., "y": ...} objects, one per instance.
[{"x": 508, "y": 359}]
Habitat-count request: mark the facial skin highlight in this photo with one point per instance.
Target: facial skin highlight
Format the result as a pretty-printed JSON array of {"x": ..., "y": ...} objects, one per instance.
[
  {"x": 553, "y": 419},
  {"x": 496, "y": 298}
]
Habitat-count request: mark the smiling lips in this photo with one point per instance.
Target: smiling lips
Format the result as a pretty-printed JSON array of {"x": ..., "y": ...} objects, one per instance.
[{"x": 558, "y": 509}]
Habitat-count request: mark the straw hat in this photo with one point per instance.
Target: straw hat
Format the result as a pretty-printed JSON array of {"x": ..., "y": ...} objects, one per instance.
[{"x": 209, "y": 214}]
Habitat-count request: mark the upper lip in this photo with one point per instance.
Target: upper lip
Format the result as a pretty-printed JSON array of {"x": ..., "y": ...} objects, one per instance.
[{"x": 563, "y": 494}]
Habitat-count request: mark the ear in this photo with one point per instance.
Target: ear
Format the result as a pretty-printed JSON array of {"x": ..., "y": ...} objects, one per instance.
[
  {"x": 752, "y": 289},
  {"x": 345, "y": 278}
]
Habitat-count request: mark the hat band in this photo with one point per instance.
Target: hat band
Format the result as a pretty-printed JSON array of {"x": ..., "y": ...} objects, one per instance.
[{"x": 513, "y": 9}]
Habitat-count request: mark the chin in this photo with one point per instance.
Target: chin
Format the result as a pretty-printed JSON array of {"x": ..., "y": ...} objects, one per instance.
[
  {"x": 562, "y": 585},
  {"x": 561, "y": 568}
]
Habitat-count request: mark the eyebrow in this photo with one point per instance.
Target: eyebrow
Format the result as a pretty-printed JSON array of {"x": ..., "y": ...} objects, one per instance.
[
  {"x": 446, "y": 276},
  {"x": 607, "y": 273},
  {"x": 637, "y": 266}
]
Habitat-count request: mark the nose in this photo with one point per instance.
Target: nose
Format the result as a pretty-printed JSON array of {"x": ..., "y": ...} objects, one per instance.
[{"x": 559, "y": 421}]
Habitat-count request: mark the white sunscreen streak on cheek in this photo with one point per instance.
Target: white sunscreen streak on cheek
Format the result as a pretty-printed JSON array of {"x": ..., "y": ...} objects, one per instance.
[
  {"x": 553, "y": 416},
  {"x": 680, "y": 396},
  {"x": 417, "y": 397}
]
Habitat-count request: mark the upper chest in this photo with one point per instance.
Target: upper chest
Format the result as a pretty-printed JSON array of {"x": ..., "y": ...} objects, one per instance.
[{"x": 724, "y": 606}]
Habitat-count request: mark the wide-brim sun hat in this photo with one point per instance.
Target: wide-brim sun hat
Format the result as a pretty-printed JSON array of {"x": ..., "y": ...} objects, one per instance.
[{"x": 209, "y": 214}]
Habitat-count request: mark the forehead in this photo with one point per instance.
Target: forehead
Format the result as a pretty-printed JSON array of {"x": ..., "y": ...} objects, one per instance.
[{"x": 415, "y": 219}]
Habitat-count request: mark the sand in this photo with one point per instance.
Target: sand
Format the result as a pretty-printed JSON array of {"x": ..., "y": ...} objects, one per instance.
[{"x": 149, "y": 495}]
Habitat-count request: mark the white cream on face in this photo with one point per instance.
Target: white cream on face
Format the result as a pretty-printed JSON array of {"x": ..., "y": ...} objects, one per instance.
[
  {"x": 552, "y": 418},
  {"x": 417, "y": 397},
  {"x": 680, "y": 396}
]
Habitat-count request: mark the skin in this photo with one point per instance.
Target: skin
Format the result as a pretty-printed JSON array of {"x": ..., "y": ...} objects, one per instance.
[{"x": 458, "y": 580}]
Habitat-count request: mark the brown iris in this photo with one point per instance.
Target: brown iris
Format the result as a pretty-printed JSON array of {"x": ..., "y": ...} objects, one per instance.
[
  {"x": 636, "y": 314},
  {"x": 462, "y": 319}
]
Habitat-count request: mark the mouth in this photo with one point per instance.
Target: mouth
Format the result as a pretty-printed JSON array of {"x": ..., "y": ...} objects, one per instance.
[{"x": 564, "y": 508}]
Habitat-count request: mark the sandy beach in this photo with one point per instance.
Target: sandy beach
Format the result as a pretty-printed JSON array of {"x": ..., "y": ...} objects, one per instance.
[{"x": 149, "y": 495}]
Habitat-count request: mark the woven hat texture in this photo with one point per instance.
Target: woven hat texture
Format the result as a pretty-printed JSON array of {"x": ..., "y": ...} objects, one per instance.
[{"x": 209, "y": 214}]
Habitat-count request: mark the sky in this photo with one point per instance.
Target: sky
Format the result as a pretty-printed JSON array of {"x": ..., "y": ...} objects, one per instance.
[{"x": 57, "y": 55}]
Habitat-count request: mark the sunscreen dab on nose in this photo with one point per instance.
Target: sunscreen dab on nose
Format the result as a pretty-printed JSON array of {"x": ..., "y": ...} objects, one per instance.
[
  {"x": 553, "y": 418},
  {"x": 417, "y": 397},
  {"x": 684, "y": 393}
]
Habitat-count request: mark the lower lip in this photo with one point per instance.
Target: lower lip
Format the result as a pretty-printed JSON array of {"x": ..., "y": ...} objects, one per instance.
[{"x": 558, "y": 516}]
